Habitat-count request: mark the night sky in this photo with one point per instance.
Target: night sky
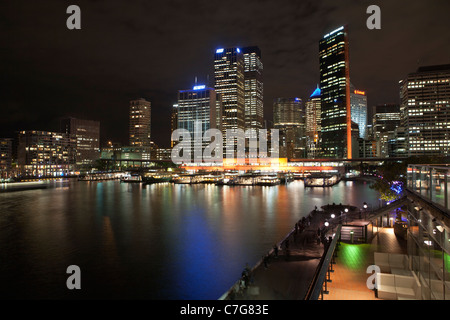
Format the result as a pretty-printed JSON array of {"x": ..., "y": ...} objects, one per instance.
[{"x": 152, "y": 49}]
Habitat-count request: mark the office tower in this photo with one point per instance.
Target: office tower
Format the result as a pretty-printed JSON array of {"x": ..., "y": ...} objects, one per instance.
[
  {"x": 425, "y": 108},
  {"x": 313, "y": 123},
  {"x": 173, "y": 122},
  {"x": 87, "y": 135},
  {"x": 229, "y": 83},
  {"x": 289, "y": 119},
  {"x": 386, "y": 118},
  {"x": 5, "y": 157},
  {"x": 253, "y": 88},
  {"x": 197, "y": 110},
  {"x": 358, "y": 103},
  {"x": 42, "y": 153},
  {"x": 335, "y": 94},
  {"x": 140, "y": 123}
]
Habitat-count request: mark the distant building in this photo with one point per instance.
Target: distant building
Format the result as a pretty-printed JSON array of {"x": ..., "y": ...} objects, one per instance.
[
  {"x": 425, "y": 108},
  {"x": 313, "y": 124},
  {"x": 173, "y": 122},
  {"x": 358, "y": 103},
  {"x": 140, "y": 123},
  {"x": 289, "y": 119},
  {"x": 87, "y": 135},
  {"x": 336, "y": 119},
  {"x": 6, "y": 150},
  {"x": 42, "y": 153},
  {"x": 386, "y": 118}
]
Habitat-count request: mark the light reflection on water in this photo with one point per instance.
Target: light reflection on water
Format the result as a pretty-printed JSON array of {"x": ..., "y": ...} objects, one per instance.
[{"x": 162, "y": 241}]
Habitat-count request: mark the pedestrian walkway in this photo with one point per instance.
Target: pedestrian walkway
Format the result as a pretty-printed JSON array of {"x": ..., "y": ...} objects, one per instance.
[
  {"x": 288, "y": 275},
  {"x": 349, "y": 279}
]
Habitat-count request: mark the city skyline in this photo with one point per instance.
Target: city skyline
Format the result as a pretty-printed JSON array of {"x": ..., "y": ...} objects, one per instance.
[{"x": 62, "y": 65}]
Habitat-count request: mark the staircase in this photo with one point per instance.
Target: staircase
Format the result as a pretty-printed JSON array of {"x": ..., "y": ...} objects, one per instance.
[{"x": 358, "y": 234}]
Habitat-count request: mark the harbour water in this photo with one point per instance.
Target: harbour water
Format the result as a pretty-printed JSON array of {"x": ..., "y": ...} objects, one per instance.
[{"x": 162, "y": 241}]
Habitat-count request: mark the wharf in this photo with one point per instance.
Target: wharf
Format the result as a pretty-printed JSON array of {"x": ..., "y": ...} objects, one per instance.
[{"x": 289, "y": 275}]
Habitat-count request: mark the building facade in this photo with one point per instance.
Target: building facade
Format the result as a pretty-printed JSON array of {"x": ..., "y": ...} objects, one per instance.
[
  {"x": 229, "y": 83},
  {"x": 335, "y": 95},
  {"x": 173, "y": 122},
  {"x": 42, "y": 153},
  {"x": 358, "y": 103},
  {"x": 87, "y": 135},
  {"x": 6, "y": 148},
  {"x": 425, "y": 108},
  {"x": 140, "y": 123},
  {"x": 253, "y": 88},
  {"x": 289, "y": 119},
  {"x": 197, "y": 113},
  {"x": 386, "y": 119},
  {"x": 313, "y": 124}
]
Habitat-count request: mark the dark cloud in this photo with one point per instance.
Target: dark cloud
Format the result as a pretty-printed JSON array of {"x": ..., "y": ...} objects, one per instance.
[{"x": 129, "y": 49}]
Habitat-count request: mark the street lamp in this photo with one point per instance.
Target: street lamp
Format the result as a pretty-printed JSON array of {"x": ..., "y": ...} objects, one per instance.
[
  {"x": 365, "y": 205},
  {"x": 327, "y": 223},
  {"x": 332, "y": 216}
]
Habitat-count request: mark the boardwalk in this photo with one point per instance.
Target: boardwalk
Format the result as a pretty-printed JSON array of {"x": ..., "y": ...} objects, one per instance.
[{"x": 289, "y": 275}]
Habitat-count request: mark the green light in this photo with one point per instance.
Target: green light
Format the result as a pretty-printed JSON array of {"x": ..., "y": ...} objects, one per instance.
[{"x": 353, "y": 256}]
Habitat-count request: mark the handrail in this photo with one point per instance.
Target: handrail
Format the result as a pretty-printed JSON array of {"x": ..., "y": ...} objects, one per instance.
[{"x": 319, "y": 279}]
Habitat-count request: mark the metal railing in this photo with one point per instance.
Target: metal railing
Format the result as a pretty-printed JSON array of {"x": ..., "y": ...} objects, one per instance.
[{"x": 318, "y": 285}]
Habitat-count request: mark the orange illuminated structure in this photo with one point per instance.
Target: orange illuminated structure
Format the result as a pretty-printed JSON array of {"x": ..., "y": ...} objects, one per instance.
[{"x": 269, "y": 165}]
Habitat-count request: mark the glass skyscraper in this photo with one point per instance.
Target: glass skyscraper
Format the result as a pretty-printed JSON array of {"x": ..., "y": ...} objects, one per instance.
[
  {"x": 358, "y": 102},
  {"x": 253, "y": 88},
  {"x": 197, "y": 113},
  {"x": 336, "y": 119},
  {"x": 229, "y": 83}
]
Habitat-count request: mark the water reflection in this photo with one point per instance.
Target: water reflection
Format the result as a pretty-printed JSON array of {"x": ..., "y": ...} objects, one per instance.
[{"x": 161, "y": 241}]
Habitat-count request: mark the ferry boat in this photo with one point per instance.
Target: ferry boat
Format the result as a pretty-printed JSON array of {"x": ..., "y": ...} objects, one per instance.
[
  {"x": 131, "y": 178},
  {"x": 321, "y": 180},
  {"x": 268, "y": 181},
  {"x": 156, "y": 177}
]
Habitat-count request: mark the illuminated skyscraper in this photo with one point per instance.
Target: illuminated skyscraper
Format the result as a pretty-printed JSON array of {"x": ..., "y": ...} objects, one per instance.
[
  {"x": 229, "y": 83},
  {"x": 425, "y": 107},
  {"x": 313, "y": 123},
  {"x": 253, "y": 88},
  {"x": 336, "y": 120},
  {"x": 140, "y": 123},
  {"x": 197, "y": 113},
  {"x": 289, "y": 119},
  {"x": 358, "y": 102}
]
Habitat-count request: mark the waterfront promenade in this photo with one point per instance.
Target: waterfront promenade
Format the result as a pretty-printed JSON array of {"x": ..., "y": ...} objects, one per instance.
[
  {"x": 289, "y": 275},
  {"x": 286, "y": 275}
]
